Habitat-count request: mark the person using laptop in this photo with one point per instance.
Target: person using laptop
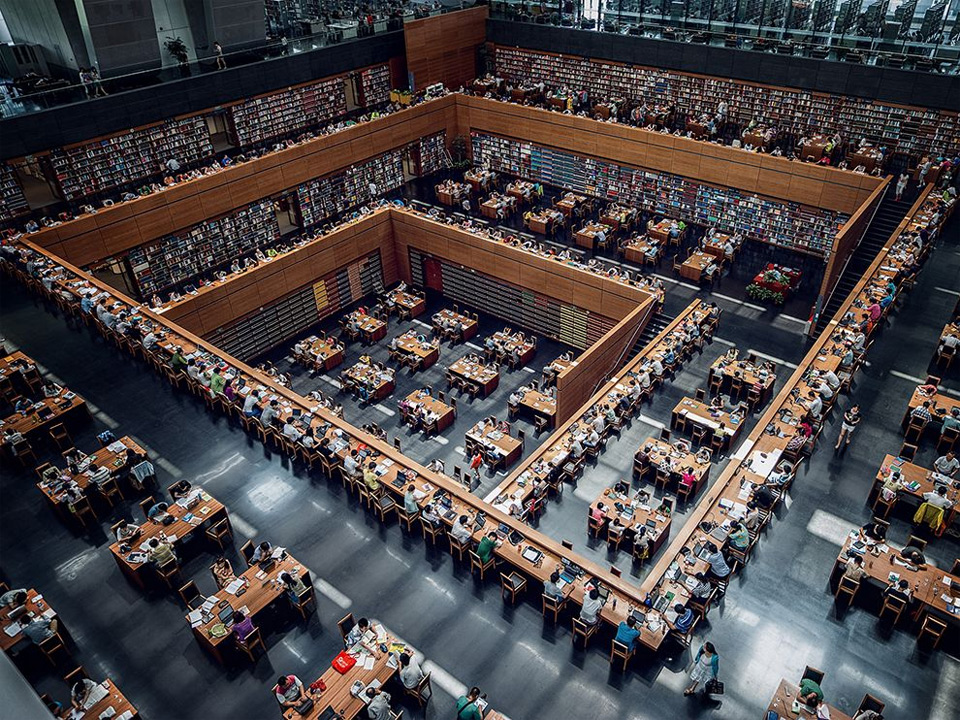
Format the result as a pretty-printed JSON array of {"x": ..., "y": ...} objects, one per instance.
[
  {"x": 223, "y": 572},
  {"x": 551, "y": 587},
  {"x": 461, "y": 529},
  {"x": 468, "y": 705},
  {"x": 288, "y": 691},
  {"x": 627, "y": 632},
  {"x": 410, "y": 671},
  {"x": 127, "y": 531},
  {"x": 684, "y": 620},
  {"x": 592, "y": 604},
  {"x": 14, "y": 598},
  {"x": 262, "y": 552},
  {"x": 160, "y": 553}
]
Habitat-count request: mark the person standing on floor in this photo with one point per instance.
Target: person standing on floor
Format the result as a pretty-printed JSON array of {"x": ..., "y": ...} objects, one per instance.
[
  {"x": 851, "y": 418},
  {"x": 218, "y": 54},
  {"x": 706, "y": 667},
  {"x": 902, "y": 185}
]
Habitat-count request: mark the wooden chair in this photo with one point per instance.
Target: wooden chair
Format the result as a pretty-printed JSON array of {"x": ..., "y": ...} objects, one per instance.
[
  {"x": 553, "y": 607},
  {"x": 931, "y": 631},
  {"x": 511, "y": 586},
  {"x": 305, "y": 603},
  {"x": 892, "y": 606},
  {"x": 476, "y": 563},
  {"x": 250, "y": 644},
  {"x": 847, "y": 589},
  {"x": 422, "y": 692},
  {"x": 430, "y": 531},
  {"x": 812, "y": 673},
  {"x": 869, "y": 702},
  {"x": 406, "y": 518},
  {"x": 919, "y": 543},
  {"x": 190, "y": 595},
  {"x": 383, "y": 505},
  {"x": 145, "y": 506},
  {"x": 345, "y": 625},
  {"x": 583, "y": 631},
  {"x": 914, "y": 431},
  {"x": 169, "y": 573},
  {"x": 24, "y": 453},
  {"x": 948, "y": 440},
  {"x": 246, "y": 552},
  {"x": 568, "y": 544},
  {"x": 881, "y": 506},
  {"x": 52, "y": 647},
  {"x": 60, "y": 436},
  {"x": 220, "y": 533},
  {"x": 908, "y": 451},
  {"x": 84, "y": 513},
  {"x": 110, "y": 490},
  {"x": 595, "y": 526},
  {"x": 620, "y": 653},
  {"x": 457, "y": 548}
]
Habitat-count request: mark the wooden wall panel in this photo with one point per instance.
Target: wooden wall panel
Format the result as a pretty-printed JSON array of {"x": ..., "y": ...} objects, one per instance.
[
  {"x": 444, "y": 48},
  {"x": 599, "y": 361}
]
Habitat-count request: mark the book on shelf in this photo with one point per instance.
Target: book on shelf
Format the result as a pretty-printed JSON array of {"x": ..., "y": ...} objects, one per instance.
[
  {"x": 13, "y": 203},
  {"x": 375, "y": 85},
  {"x": 325, "y": 197},
  {"x": 279, "y": 114}
]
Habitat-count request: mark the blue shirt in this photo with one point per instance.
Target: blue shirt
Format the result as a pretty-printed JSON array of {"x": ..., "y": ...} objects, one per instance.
[
  {"x": 627, "y": 635},
  {"x": 685, "y": 621}
]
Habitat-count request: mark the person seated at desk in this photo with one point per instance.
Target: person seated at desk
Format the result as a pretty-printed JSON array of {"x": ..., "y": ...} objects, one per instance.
[
  {"x": 160, "y": 552},
  {"x": 589, "y": 612},
  {"x": 627, "y": 632},
  {"x": 810, "y": 693},
  {"x": 351, "y": 464},
  {"x": 703, "y": 588},
  {"x": 593, "y": 439},
  {"x": 250, "y": 404},
  {"x": 922, "y": 412},
  {"x": 157, "y": 511},
  {"x": 39, "y": 628},
  {"x": 357, "y": 632},
  {"x": 242, "y": 626},
  {"x": 370, "y": 477},
  {"x": 429, "y": 516},
  {"x": 126, "y": 531},
  {"x": 853, "y": 568},
  {"x": 80, "y": 693},
  {"x": 913, "y": 555},
  {"x": 719, "y": 570},
  {"x": 468, "y": 705},
  {"x": 288, "y": 691},
  {"x": 951, "y": 421},
  {"x": 739, "y": 536},
  {"x": 291, "y": 431},
  {"x": 222, "y": 572},
  {"x": 899, "y": 590},
  {"x": 51, "y": 390},
  {"x": 262, "y": 552},
  {"x": 461, "y": 531},
  {"x": 180, "y": 489},
  {"x": 938, "y": 498},
  {"x": 874, "y": 532},
  {"x": 717, "y": 402},
  {"x": 410, "y": 671},
  {"x": 270, "y": 413},
  {"x": 685, "y": 617},
  {"x": 551, "y": 587},
  {"x": 947, "y": 464}
]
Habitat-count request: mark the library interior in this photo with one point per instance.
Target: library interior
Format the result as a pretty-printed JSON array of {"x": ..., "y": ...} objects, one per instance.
[{"x": 380, "y": 360}]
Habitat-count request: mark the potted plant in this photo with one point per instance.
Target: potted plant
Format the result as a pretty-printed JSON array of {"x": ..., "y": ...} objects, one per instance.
[{"x": 177, "y": 49}]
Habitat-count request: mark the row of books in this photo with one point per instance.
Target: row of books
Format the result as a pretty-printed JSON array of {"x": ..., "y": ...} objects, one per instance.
[
  {"x": 278, "y": 114},
  {"x": 375, "y": 85},
  {"x": 273, "y": 324},
  {"x": 12, "y": 201},
  {"x": 177, "y": 258},
  {"x": 322, "y": 198},
  {"x": 907, "y": 129},
  {"x": 788, "y": 225},
  {"x": 115, "y": 161},
  {"x": 433, "y": 153}
]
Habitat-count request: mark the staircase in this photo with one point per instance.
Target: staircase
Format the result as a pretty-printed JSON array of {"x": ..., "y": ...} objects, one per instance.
[
  {"x": 888, "y": 216},
  {"x": 654, "y": 327}
]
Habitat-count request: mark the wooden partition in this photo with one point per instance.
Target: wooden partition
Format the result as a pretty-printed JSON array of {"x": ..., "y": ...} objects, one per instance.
[
  {"x": 222, "y": 303},
  {"x": 721, "y": 165},
  {"x": 844, "y": 245},
  {"x": 444, "y": 48},
  {"x": 114, "y": 230},
  {"x": 564, "y": 283},
  {"x": 576, "y": 384}
]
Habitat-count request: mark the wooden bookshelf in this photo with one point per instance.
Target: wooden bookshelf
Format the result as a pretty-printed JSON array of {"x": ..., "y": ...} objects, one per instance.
[
  {"x": 788, "y": 225},
  {"x": 433, "y": 153},
  {"x": 12, "y": 201},
  {"x": 271, "y": 116},
  {"x": 129, "y": 157},
  {"x": 911, "y": 130},
  {"x": 375, "y": 85},
  {"x": 177, "y": 258}
]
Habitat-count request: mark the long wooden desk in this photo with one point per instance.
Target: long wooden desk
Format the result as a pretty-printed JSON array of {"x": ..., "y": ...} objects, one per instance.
[
  {"x": 634, "y": 516},
  {"x": 941, "y": 405},
  {"x": 371, "y": 328},
  {"x": 700, "y": 413},
  {"x": 418, "y": 398},
  {"x": 914, "y": 482},
  {"x": 478, "y": 373},
  {"x": 362, "y": 375},
  {"x": 537, "y": 403},
  {"x": 36, "y": 605},
  {"x": 586, "y": 237},
  {"x": 133, "y": 563},
  {"x": 113, "y": 700},
  {"x": 455, "y": 326},
  {"x": 413, "y": 304},
  {"x": 321, "y": 354},
  {"x": 113, "y": 457},
  {"x": 425, "y": 353},
  {"x": 643, "y": 250},
  {"x": 336, "y": 696},
  {"x": 694, "y": 267},
  {"x": 505, "y": 343},
  {"x": 261, "y": 589},
  {"x": 656, "y": 453},
  {"x": 661, "y": 231},
  {"x": 502, "y": 445},
  {"x": 746, "y": 371},
  {"x": 452, "y": 193},
  {"x": 44, "y": 413}
]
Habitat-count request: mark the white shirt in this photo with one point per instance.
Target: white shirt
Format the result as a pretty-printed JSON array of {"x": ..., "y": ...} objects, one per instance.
[
  {"x": 411, "y": 674},
  {"x": 946, "y": 467},
  {"x": 936, "y": 499}
]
